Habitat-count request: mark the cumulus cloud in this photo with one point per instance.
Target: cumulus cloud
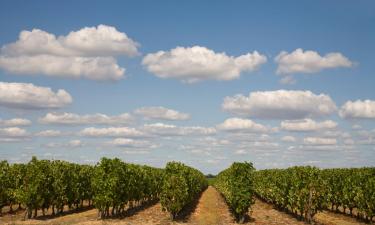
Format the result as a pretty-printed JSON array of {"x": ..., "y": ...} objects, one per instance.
[
  {"x": 15, "y": 122},
  {"x": 300, "y": 61},
  {"x": 358, "y": 110},
  {"x": 319, "y": 141},
  {"x": 243, "y": 125},
  {"x": 49, "y": 133},
  {"x": 307, "y": 125},
  {"x": 95, "y": 68},
  {"x": 365, "y": 137},
  {"x": 71, "y": 144},
  {"x": 75, "y": 143},
  {"x": 75, "y": 119},
  {"x": 162, "y": 129},
  {"x": 356, "y": 127},
  {"x": 131, "y": 143},
  {"x": 289, "y": 139},
  {"x": 13, "y": 134},
  {"x": 29, "y": 96},
  {"x": 87, "y": 53},
  {"x": 111, "y": 132},
  {"x": 280, "y": 104},
  {"x": 349, "y": 141},
  {"x": 243, "y": 137},
  {"x": 161, "y": 113},
  {"x": 193, "y": 64},
  {"x": 335, "y": 133},
  {"x": 288, "y": 80}
]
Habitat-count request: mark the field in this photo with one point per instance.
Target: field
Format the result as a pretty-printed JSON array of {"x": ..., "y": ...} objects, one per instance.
[
  {"x": 209, "y": 210},
  {"x": 115, "y": 192}
]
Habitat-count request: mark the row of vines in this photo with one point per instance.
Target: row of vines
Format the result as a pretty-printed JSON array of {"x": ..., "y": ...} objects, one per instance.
[
  {"x": 182, "y": 185},
  {"x": 111, "y": 186},
  {"x": 306, "y": 190},
  {"x": 350, "y": 189},
  {"x": 117, "y": 185},
  {"x": 44, "y": 184},
  {"x": 236, "y": 185}
]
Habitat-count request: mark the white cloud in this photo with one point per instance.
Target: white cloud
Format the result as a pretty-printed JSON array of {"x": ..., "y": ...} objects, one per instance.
[
  {"x": 280, "y": 104},
  {"x": 131, "y": 143},
  {"x": 193, "y": 64},
  {"x": 52, "y": 145},
  {"x": 335, "y": 133},
  {"x": 365, "y": 137},
  {"x": 265, "y": 145},
  {"x": 319, "y": 141},
  {"x": 161, "y": 113},
  {"x": 349, "y": 141},
  {"x": 369, "y": 141},
  {"x": 300, "y": 61},
  {"x": 15, "y": 122},
  {"x": 111, "y": 132},
  {"x": 356, "y": 127},
  {"x": 13, "y": 134},
  {"x": 29, "y": 96},
  {"x": 307, "y": 125},
  {"x": 162, "y": 129},
  {"x": 95, "y": 68},
  {"x": 242, "y": 137},
  {"x": 84, "y": 53},
  {"x": 49, "y": 133},
  {"x": 324, "y": 147},
  {"x": 289, "y": 139},
  {"x": 358, "y": 110},
  {"x": 241, "y": 152},
  {"x": 71, "y": 144},
  {"x": 75, "y": 119},
  {"x": 288, "y": 80},
  {"x": 75, "y": 143},
  {"x": 102, "y": 40},
  {"x": 238, "y": 124}
]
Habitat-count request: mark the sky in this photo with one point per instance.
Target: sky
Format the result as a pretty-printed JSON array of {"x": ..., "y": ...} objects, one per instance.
[{"x": 207, "y": 83}]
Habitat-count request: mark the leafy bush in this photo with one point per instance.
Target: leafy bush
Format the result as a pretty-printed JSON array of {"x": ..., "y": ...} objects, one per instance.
[
  {"x": 181, "y": 185},
  {"x": 117, "y": 184},
  {"x": 236, "y": 185}
]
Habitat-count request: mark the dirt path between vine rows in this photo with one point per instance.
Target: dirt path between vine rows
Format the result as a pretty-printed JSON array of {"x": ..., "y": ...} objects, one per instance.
[{"x": 211, "y": 209}]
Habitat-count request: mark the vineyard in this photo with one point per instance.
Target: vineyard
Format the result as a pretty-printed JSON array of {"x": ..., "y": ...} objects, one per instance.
[
  {"x": 306, "y": 190},
  {"x": 236, "y": 184},
  {"x": 114, "y": 188}
]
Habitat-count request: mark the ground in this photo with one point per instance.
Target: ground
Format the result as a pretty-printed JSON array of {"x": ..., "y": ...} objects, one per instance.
[{"x": 211, "y": 209}]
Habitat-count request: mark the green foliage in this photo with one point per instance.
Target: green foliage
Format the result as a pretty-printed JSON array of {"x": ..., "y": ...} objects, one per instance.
[
  {"x": 300, "y": 190},
  {"x": 4, "y": 183},
  {"x": 181, "y": 185},
  {"x": 41, "y": 184},
  {"x": 351, "y": 188},
  {"x": 236, "y": 184},
  {"x": 211, "y": 181},
  {"x": 117, "y": 184}
]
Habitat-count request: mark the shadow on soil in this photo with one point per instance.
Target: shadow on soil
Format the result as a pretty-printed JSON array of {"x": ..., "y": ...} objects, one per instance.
[
  {"x": 355, "y": 216},
  {"x": 186, "y": 212},
  {"x": 131, "y": 211},
  {"x": 287, "y": 212},
  {"x": 69, "y": 212},
  {"x": 135, "y": 210}
]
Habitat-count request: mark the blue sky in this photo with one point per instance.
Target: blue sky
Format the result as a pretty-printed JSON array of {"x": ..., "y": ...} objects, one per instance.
[{"x": 306, "y": 97}]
